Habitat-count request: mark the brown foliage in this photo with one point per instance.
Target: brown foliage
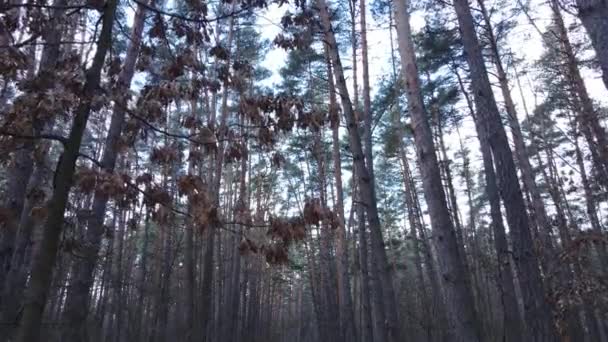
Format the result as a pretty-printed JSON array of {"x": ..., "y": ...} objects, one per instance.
[
  {"x": 86, "y": 180},
  {"x": 313, "y": 211},
  {"x": 165, "y": 155},
  {"x": 190, "y": 185},
  {"x": 6, "y": 215},
  {"x": 158, "y": 195},
  {"x": 287, "y": 230},
  {"x": 219, "y": 52},
  {"x": 276, "y": 254},
  {"x": 144, "y": 178},
  {"x": 39, "y": 213},
  {"x": 247, "y": 246},
  {"x": 235, "y": 152}
]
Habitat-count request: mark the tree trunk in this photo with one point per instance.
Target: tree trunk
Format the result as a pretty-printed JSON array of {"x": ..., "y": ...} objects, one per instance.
[
  {"x": 490, "y": 125},
  {"x": 594, "y": 14},
  {"x": 528, "y": 174},
  {"x": 20, "y": 172},
  {"x": 347, "y": 324},
  {"x": 76, "y": 307},
  {"x": 513, "y": 324},
  {"x": 459, "y": 299},
  {"x": 207, "y": 314},
  {"x": 46, "y": 253},
  {"x": 367, "y": 328},
  {"x": 592, "y": 130},
  {"x": 366, "y": 188}
]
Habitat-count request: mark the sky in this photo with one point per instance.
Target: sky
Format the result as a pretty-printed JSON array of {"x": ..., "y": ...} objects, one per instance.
[{"x": 524, "y": 41}]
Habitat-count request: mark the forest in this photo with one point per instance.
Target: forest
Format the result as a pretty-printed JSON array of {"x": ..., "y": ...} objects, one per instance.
[{"x": 303, "y": 171}]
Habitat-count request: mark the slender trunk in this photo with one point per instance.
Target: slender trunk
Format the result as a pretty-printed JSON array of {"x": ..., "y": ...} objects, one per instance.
[
  {"x": 366, "y": 188},
  {"x": 367, "y": 330},
  {"x": 592, "y": 130},
  {"x": 528, "y": 174},
  {"x": 459, "y": 299},
  {"x": 17, "y": 275},
  {"x": 207, "y": 314},
  {"x": 83, "y": 269},
  {"x": 382, "y": 308},
  {"x": 513, "y": 324},
  {"x": 593, "y": 14},
  {"x": 347, "y": 324},
  {"x": 46, "y": 253},
  {"x": 590, "y": 202},
  {"x": 19, "y": 173},
  {"x": 490, "y": 127}
]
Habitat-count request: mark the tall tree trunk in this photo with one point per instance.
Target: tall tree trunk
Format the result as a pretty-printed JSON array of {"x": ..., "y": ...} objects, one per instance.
[
  {"x": 76, "y": 308},
  {"x": 367, "y": 327},
  {"x": 592, "y": 130},
  {"x": 366, "y": 188},
  {"x": 381, "y": 308},
  {"x": 46, "y": 253},
  {"x": 207, "y": 314},
  {"x": 459, "y": 299},
  {"x": 593, "y": 14},
  {"x": 488, "y": 119},
  {"x": 17, "y": 275},
  {"x": 347, "y": 322},
  {"x": 590, "y": 201},
  {"x": 513, "y": 324},
  {"x": 21, "y": 169},
  {"x": 528, "y": 174}
]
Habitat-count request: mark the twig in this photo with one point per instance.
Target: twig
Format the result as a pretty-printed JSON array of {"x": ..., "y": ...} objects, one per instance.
[{"x": 55, "y": 137}]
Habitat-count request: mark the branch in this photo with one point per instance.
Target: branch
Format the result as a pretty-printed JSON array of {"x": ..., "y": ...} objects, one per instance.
[
  {"x": 36, "y": 5},
  {"x": 191, "y": 19},
  {"x": 55, "y": 137},
  {"x": 91, "y": 159}
]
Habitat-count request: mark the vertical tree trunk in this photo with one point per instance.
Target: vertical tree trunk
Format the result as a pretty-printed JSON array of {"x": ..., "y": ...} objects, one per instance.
[
  {"x": 528, "y": 174},
  {"x": 590, "y": 202},
  {"x": 593, "y": 14},
  {"x": 459, "y": 299},
  {"x": 20, "y": 172},
  {"x": 17, "y": 275},
  {"x": 537, "y": 311},
  {"x": 347, "y": 324},
  {"x": 366, "y": 189},
  {"x": 367, "y": 330},
  {"x": 78, "y": 293},
  {"x": 513, "y": 324},
  {"x": 46, "y": 253},
  {"x": 206, "y": 302},
  {"x": 380, "y": 306},
  {"x": 590, "y": 125}
]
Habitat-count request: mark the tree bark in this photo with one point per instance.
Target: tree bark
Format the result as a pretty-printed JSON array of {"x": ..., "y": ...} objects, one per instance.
[
  {"x": 594, "y": 14},
  {"x": 46, "y": 253},
  {"x": 459, "y": 299},
  {"x": 366, "y": 188},
  {"x": 490, "y": 125},
  {"x": 592, "y": 130},
  {"x": 20, "y": 172},
  {"x": 76, "y": 308},
  {"x": 523, "y": 157},
  {"x": 513, "y": 324},
  {"x": 347, "y": 321}
]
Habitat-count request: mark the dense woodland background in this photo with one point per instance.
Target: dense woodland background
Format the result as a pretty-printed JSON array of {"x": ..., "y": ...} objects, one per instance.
[{"x": 164, "y": 178}]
